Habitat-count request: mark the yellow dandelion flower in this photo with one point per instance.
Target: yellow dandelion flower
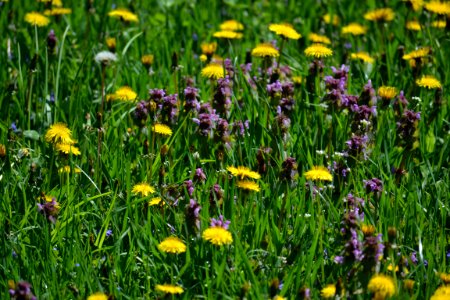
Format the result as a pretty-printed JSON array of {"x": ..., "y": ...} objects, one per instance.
[
  {"x": 318, "y": 51},
  {"x": 278, "y": 297},
  {"x": 392, "y": 268},
  {"x": 217, "y": 236},
  {"x": 354, "y": 29},
  {"x": 297, "y": 79},
  {"x": 67, "y": 169},
  {"x": 226, "y": 34},
  {"x": 231, "y": 25},
  {"x": 382, "y": 286},
  {"x": 213, "y": 71},
  {"x": 203, "y": 58},
  {"x": 380, "y": 15},
  {"x": 387, "y": 92},
  {"x": 243, "y": 172},
  {"x": 445, "y": 277},
  {"x": 285, "y": 30},
  {"x": 143, "y": 188},
  {"x": 265, "y": 50},
  {"x": 124, "y": 93},
  {"x": 68, "y": 149},
  {"x": 408, "y": 284},
  {"x": 111, "y": 43},
  {"x": 419, "y": 53},
  {"x": 317, "y": 38},
  {"x": 415, "y": 4},
  {"x": 162, "y": 129},
  {"x": 58, "y": 11},
  {"x": 368, "y": 229},
  {"x": 172, "y": 245},
  {"x": 37, "y": 19},
  {"x": 437, "y": 7},
  {"x": 59, "y": 133},
  {"x": 147, "y": 59},
  {"x": 413, "y": 25},
  {"x": 442, "y": 293},
  {"x": 328, "y": 292},
  {"x": 439, "y": 24},
  {"x": 328, "y": 19},
  {"x": 155, "y": 201},
  {"x": 209, "y": 48},
  {"x": 318, "y": 173},
  {"x": 97, "y": 296},
  {"x": 248, "y": 185},
  {"x": 429, "y": 82},
  {"x": 57, "y": 3},
  {"x": 364, "y": 56},
  {"x": 169, "y": 289},
  {"x": 123, "y": 14}
]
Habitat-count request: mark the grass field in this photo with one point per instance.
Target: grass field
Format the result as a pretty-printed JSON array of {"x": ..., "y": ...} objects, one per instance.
[{"x": 224, "y": 149}]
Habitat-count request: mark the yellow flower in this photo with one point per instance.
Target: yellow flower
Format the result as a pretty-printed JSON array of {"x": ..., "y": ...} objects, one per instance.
[
  {"x": 445, "y": 277},
  {"x": 429, "y": 82},
  {"x": 169, "y": 288},
  {"x": 226, "y": 34},
  {"x": 364, "y": 56},
  {"x": 98, "y": 296},
  {"x": 123, "y": 14},
  {"x": 382, "y": 286},
  {"x": 58, "y": 11},
  {"x": 172, "y": 245},
  {"x": 124, "y": 93},
  {"x": 67, "y": 149},
  {"x": 297, "y": 79},
  {"x": 208, "y": 48},
  {"x": 57, "y": 3},
  {"x": 381, "y": 14},
  {"x": 317, "y": 38},
  {"x": 415, "y": 4},
  {"x": 143, "y": 188},
  {"x": 231, "y": 25},
  {"x": 354, "y": 29},
  {"x": 217, "y": 236},
  {"x": 66, "y": 169},
  {"x": 408, "y": 284},
  {"x": 440, "y": 8},
  {"x": 318, "y": 173},
  {"x": 413, "y": 25},
  {"x": 162, "y": 129},
  {"x": 327, "y": 19},
  {"x": 439, "y": 24},
  {"x": 421, "y": 52},
  {"x": 278, "y": 297},
  {"x": 442, "y": 293},
  {"x": 285, "y": 30},
  {"x": 265, "y": 50},
  {"x": 59, "y": 133},
  {"x": 318, "y": 51},
  {"x": 147, "y": 59},
  {"x": 37, "y": 19},
  {"x": 243, "y": 172},
  {"x": 213, "y": 71},
  {"x": 155, "y": 201},
  {"x": 387, "y": 92},
  {"x": 248, "y": 185},
  {"x": 111, "y": 43},
  {"x": 329, "y": 291},
  {"x": 203, "y": 58},
  {"x": 368, "y": 229}
]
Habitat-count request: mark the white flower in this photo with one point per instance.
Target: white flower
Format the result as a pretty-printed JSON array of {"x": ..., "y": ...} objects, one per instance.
[{"x": 105, "y": 57}]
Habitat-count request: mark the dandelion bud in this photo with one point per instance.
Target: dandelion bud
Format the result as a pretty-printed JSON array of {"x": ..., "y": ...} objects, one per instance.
[
  {"x": 111, "y": 44},
  {"x": 164, "y": 150}
]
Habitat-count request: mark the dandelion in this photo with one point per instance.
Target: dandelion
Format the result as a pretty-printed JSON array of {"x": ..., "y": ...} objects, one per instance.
[
  {"x": 67, "y": 169},
  {"x": 328, "y": 19},
  {"x": 58, "y": 11},
  {"x": 285, "y": 30},
  {"x": 231, "y": 25},
  {"x": 147, "y": 60},
  {"x": 143, "y": 188},
  {"x": 354, "y": 29},
  {"x": 382, "y": 286},
  {"x": 172, "y": 245},
  {"x": 429, "y": 82},
  {"x": 36, "y": 19},
  {"x": 381, "y": 14},
  {"x": 248, "y": 185},
  {"x": 243, "y": 172},
  {"x": 124, "y": 93},
  {"x": 226, "y": 34},
  {"x": 217, "y": 234},
  {"x": 265, "y": 50},
  {"x": 111, "y": 43},
  {"x": 213, "y": 71},
  {"x": 415, "y": 4},
  {"x": 437, "y": 7},
  {"x": 328, "y": 292},
  {"x": 59, "y": 133},
  {"x": 442, "y": 293},
  {"x": 169, "y": 289},
  {"x": 318, "y": 173},
  {"x": 317, "y": 38},
  {"x": 318, "y": 51},
  {"x": 387, "y": 92},
  {"x": 162, "y": 129},
  {"x": 209, "y": 48},
  {"x": 105, "y": 57},
  {"x": 98, "y": 296},
  {"x": 413, "y": 25},
  {"x": 123, "y": 14},
  {"x": 364, "y": 56},
  {"x": 68, "y": 149},
  {"x": 439, "y": 24},
  {"x": 419, "y": 53},
  {"x": 155, "y": 201},
  {"x": 368, "y": 230}
]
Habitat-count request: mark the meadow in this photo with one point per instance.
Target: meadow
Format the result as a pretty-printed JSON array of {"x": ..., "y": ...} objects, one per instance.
[{"x": 224, "y": 149}]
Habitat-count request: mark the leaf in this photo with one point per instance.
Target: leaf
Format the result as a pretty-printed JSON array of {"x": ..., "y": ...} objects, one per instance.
[
  {"x": 430, "y": 141},
  {"x": 31, "y": 134}
]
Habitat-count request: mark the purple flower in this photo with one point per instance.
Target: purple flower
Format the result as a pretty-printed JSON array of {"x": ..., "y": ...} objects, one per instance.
[
  {"x": 414, "y": 258},
  {"x": 157, "y": 95},
  {"x": 357, "y": 145},
  {"x": 193, "y": 213},
  {"x": 199, "y": 175},
  {"x": 289, "y": 169},
  {"x": 49, "y": 210},
  {"x": 141, "y": 113},
  {"x": 222, "y": 96},
  {"x": 339, "y": 259},
  {"x": 239, "y": 127},
  {"x": 51, "y": 41},
  {"x": 169, "y": 108},
  {"x": 22, "y": 291},
  {"x": 221, "y": 222},
  {"x": 229, "y": 68},
  {"x": 373, "y": 185},
  {"x": 206, "y": 123},
  {"x": 189, "y": 186},
  {"x": 274, "y": 89},
  {"x": 191, "y": 97},
  {"x": 216, "y": 194},
  {"x": 368, "y": 95}
]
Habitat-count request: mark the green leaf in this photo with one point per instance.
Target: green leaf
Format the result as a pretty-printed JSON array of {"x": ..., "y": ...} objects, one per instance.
[
  {"x": 31, "y": 134},
  {"x": 430, "y": 141}
]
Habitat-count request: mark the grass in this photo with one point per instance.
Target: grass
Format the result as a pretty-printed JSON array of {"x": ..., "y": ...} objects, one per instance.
[{"x": 105, "y": 238}]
